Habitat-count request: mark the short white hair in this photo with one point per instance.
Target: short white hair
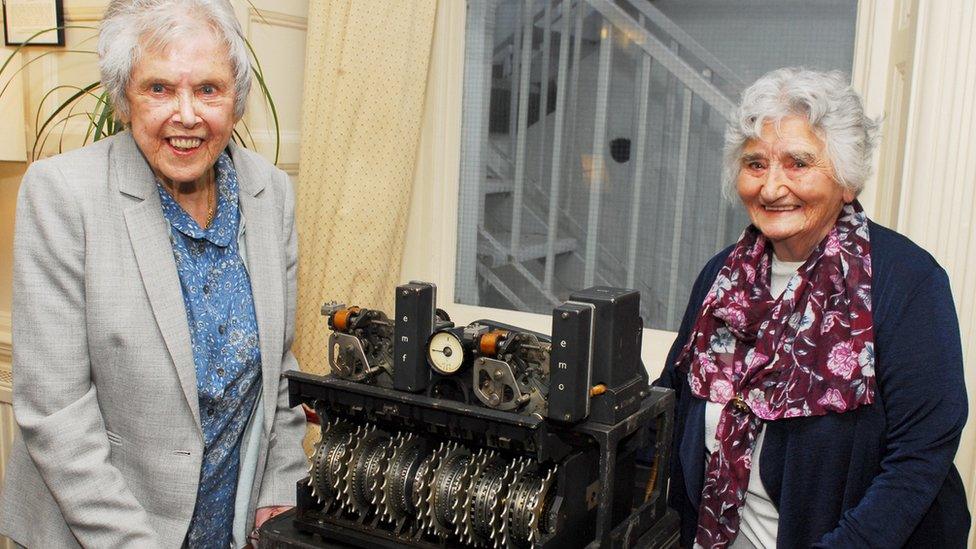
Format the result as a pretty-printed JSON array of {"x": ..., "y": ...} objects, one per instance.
[
  {"x": 131, "y": 26},
  {"x": 833, "y": 109}
]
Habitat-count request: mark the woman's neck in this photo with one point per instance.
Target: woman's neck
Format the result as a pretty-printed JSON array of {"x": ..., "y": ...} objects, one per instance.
[
  {"x": 799, "y": 247},
  {"x": 197, "y": 198}
]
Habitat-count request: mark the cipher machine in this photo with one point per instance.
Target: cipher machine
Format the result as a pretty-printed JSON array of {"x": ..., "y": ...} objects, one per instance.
[{"x": 485, "y": 435}]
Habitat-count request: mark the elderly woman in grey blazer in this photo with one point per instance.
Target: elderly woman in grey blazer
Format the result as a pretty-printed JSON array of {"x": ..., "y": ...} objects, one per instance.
[{"x": 154, "y": 298}]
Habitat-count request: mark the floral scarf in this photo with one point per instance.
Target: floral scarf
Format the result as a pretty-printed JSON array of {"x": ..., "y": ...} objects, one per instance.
[{"x": 806, "y": 353}]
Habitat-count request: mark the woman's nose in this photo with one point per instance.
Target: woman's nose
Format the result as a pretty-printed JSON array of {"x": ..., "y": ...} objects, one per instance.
[
  {"x": 774, "y": 186},
  {"x": 186, "y": 114}
]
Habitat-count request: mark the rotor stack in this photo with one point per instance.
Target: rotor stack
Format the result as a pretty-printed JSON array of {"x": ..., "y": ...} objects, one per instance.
[{"x": 439, "y": 490}]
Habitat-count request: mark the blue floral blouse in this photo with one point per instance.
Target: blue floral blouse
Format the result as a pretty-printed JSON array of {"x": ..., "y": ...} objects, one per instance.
[{"x": 224, "y": 334}]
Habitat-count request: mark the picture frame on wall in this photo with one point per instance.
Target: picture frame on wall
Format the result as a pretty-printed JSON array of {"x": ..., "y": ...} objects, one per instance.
[{"x": 23, "y": 19}]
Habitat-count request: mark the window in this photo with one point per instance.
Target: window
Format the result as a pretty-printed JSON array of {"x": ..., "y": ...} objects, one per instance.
[{"x": 592, "y": 134}]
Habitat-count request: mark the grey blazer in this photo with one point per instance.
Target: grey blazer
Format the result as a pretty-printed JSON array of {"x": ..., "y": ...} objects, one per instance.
[{"x": 105, "y": 389}]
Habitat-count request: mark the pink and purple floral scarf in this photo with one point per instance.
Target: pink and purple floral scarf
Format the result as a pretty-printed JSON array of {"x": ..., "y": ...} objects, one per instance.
[{"x": 807, "y": 353}]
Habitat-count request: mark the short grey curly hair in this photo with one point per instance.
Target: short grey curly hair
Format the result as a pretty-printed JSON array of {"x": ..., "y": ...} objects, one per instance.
[
  {"x": 826, "y": 100},
  {"x": 130, "y": 28}
]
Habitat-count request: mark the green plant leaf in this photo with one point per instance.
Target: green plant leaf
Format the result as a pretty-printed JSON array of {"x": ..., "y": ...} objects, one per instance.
[
  {"x": 102, "y": 105},
  {"x": 64, "y": 127},
  {"x": 258, "y": 12},
  {"x": 104, "y": 119},
  {"x": 249, "y": 136},
  {"x": 34, "y": 59},
  {"x": 40, "y": 106},
  {"x": 259, "y": 74},
  {"x": 60, "y": 122},
  {"x": 60, "y": 108}
]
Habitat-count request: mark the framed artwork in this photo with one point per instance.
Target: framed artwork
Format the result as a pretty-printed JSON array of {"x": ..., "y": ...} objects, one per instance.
[{"x": 22, "y": 19}]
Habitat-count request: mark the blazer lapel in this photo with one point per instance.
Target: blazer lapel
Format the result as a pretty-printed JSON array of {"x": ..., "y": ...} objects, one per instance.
[
  {"x": 149, "y": 235},
  {"x": 263, "y": 249}
]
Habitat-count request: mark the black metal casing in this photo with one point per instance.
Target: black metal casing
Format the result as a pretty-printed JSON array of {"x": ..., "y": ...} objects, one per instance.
[
  {"x": 616, "y": 352},
  {"x": 415, "y": 311},
  {"x": 569, "y": 366}
]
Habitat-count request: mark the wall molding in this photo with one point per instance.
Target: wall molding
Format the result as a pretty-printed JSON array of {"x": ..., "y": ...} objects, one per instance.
[
  {"x": 88, "y": 14},
  {"x": 276, "y": 19},
  {"x": 6, "y": 339},
  {"x": 83, "y": 14}
]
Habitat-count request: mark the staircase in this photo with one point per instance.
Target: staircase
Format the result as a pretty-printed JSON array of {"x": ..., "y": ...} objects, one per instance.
[{"x": 538, "y": 168}]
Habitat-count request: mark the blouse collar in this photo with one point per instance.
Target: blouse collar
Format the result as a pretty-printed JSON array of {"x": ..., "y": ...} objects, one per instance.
[{"x": 223, "y": 228}]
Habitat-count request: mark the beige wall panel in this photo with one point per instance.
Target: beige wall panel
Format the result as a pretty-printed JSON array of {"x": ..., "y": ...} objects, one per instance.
[
  {"x": 10, "y": 174},
  {"x": 12, "y": 108},
  {"x": 73, "y": 66},
  {"x": 279, "y": 40},
  {"x": 83, "y": 10},
  {"x": 8, "y": 428}
]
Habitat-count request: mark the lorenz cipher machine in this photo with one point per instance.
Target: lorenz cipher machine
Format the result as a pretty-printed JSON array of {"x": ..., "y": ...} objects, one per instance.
[{"x": 485, "y": 435}]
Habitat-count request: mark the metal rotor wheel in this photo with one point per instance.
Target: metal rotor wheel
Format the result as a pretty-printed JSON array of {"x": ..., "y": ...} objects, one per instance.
[
  {"x": 527, "y": 508},
  {"x": 447, "y": 491},
  {"x": 404, "y": 462},
  {"x": 423, "y": 478},
  {"x": 361, "y": 467},
  {"x": 486, "y": 503},
  {"x": 331, "y": 452}
]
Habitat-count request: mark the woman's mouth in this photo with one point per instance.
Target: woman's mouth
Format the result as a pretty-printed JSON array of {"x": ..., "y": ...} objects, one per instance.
[
  {"x": 780, "y": 208},
  {"x": 184, "y": 144}
]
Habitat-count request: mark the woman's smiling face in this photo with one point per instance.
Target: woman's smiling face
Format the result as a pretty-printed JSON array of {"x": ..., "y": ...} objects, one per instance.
[
  {"x": 788, "y": 187},
  {"x": 181, "y": 106}
]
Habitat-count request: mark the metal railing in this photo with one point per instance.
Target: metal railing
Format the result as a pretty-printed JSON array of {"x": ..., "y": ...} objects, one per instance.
[{"x": 699, "y": 88}]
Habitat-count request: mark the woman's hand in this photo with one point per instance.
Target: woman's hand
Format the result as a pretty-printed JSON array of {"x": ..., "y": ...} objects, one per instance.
[
  {"x": 266, "y": 513},
  {"x": 261, "y": 516}
]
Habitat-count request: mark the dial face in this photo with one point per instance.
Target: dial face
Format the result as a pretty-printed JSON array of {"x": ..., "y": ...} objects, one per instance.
[{"x": 445, "y": 353}]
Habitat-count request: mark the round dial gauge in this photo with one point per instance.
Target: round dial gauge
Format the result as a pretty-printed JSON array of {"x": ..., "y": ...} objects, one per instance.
[{"x": 445, "y": 353}]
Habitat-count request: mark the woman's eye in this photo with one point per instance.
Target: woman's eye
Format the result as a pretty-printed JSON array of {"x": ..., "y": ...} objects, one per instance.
[
  {"x": 157, "y": 88},
  {"x": 207, "y": 89},
  {"x": 797, "y": 163},
  {"x": 755, "y": 165}
]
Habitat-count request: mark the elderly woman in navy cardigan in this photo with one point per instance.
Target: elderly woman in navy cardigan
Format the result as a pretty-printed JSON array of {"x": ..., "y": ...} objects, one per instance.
[{"x": 818, "y": 367}]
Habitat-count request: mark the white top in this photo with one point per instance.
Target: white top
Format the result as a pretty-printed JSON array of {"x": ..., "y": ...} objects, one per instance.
[{"x": 759, "y": 519}]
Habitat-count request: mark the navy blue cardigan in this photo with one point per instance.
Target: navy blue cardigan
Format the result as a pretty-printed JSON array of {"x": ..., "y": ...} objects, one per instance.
[{"x": 878, "y": 476}]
